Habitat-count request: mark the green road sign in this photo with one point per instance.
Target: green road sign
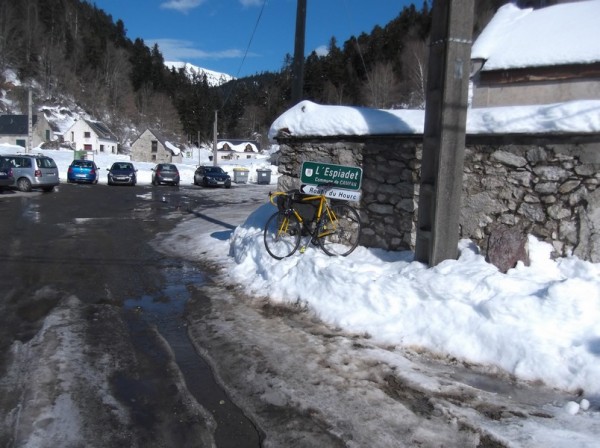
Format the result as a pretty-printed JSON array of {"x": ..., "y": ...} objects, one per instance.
[{"x": 316, "y": 173}]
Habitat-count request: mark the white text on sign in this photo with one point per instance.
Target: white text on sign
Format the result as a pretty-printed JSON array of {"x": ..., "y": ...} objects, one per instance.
[{"x": 333, "y": 193}]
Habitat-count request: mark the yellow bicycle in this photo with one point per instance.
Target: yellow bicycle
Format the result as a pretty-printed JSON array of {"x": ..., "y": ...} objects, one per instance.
[{"x": 333, "y": 227}]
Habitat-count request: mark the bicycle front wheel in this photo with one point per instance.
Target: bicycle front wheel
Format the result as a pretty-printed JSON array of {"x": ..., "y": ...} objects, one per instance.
[
  {"x": 340, "y": 230},
  {"x": 282, "y": 235}
]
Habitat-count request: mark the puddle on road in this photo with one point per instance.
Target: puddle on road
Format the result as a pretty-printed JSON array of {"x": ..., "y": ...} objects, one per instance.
[{"x": 165, "y": 312}]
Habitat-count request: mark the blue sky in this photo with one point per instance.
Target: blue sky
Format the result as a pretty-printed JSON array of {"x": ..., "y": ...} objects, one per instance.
[{"x": 215, "y": 34}]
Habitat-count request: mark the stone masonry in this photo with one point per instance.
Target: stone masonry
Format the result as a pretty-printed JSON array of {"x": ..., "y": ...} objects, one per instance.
[{"x": 548, "y": 190}]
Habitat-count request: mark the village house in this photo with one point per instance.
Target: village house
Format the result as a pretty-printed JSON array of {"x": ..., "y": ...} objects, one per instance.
[
  {"x": 152, "y": 146},
  {"x": 91, "y": 136},
  {"x": 236, "y": 149},
  {"x": 534, "y": 56},
  {"x": 14, "y": 130}
]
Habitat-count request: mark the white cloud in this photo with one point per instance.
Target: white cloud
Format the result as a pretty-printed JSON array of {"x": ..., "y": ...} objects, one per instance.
[
  {"x": 322, "y": 50},
  {"x": 248, "y": 3},
  {"x": 183, "y": 50},
  {"x": 181, "y": 5}
]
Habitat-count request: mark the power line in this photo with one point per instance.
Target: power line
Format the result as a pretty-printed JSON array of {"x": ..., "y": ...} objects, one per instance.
[
  {"x": 252, "y": 36},
  {"x": 247, "y": 47}
]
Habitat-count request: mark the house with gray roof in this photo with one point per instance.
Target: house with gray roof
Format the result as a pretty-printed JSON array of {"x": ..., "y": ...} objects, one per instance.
[
  {"x": 152, "y": 146},
  {"x": 538, "y": 56},
  {"x": 14, "y": 130},
  {"x": 236, "y": 149},
  {"x": 91, "y": 136}
]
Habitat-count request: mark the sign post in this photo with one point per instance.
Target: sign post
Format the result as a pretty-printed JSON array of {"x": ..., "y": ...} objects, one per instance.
[{"x": 334, "y": 181}]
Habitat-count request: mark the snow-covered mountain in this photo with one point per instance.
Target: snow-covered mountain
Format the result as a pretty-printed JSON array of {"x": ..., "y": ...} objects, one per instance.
[{"x": 213, "y": 78}]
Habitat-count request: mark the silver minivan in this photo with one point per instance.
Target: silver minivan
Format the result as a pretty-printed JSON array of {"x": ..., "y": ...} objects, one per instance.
[{"x": 33, "y": 171}]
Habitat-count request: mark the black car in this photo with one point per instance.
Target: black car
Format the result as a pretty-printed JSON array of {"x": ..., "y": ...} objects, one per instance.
[
  {"x": 122, "y": 173},
  {"x": 165, "y": 173},
  {"x": 212, "y": 176},
  {"x": 6, "y": 173}
]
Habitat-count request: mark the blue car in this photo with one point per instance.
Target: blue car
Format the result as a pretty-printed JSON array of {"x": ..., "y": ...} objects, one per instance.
[
  {"x": 83, "y": 171},
  {"x": 122, "y": 173}
]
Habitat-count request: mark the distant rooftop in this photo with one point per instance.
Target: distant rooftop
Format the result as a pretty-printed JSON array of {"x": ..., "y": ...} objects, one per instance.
[
  {"x": 562, "y": 34},
  {"x": 15, "y": 124}
]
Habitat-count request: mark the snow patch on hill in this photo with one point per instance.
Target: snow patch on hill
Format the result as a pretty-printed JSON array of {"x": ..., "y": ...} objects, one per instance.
[{"x": 213, "y": 78}]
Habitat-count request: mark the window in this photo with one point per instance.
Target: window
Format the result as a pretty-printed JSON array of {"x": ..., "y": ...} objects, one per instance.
[
  {"x": 248, "y": 156},
  {"x": 154, "y": 157},
  {"x": 21, "y": 142},
  {"x": 86, "y": 135},
  {"x": 47, "y": 134},
  {"x": 154, "y": 146},
  {"x": 101, "y": 148}
]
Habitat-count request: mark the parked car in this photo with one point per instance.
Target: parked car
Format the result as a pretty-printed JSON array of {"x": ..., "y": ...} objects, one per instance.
[
  {"x": 33, "y": 171},
  {"x": 212, "y": 176},
  {"x": 6, "y": 174},
  {"x": 165, "y": 173},
  {"x": 84, "y": 171},
  {"x": 122, "y": 173}
]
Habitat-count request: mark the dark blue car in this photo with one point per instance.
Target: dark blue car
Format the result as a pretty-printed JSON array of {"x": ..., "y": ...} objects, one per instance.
[
  {"x": 6, "y": 173},
  {"x": 212, "y": 176},
  {"x": 122, "y": 173},
  {"x": 83, "y": 171}
]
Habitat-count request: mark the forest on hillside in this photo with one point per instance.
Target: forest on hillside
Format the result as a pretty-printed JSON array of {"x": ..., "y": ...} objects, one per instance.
[{"x": 70, "y": 49}]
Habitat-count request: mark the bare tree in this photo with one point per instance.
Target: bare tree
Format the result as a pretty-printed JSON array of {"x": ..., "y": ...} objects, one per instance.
[
  {"x": 333, "y": 94},
  {"x": 382, "y": 87},
  {"x": 158, "y": 112},
  {"x": 414, "y": 57},
  {"x": 9, "y": 34},
  {"x": 251, "y": 119},
  {"x": 115, "y": 69},
  {"x": 31, "y": 33}
]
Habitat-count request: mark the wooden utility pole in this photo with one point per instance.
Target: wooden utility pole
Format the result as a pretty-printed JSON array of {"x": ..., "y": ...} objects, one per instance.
[
  {"x": 298, "y": 63},
  {"x": 215, "y": 139},
  {"x": 444, "y": 134}
]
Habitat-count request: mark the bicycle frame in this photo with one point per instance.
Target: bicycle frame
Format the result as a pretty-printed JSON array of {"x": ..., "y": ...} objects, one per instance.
[
  {"x": 333, "y": 227},
  {"x": 322, "y": 208}
]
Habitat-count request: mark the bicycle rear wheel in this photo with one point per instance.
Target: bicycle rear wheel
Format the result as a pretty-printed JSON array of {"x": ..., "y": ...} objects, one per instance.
[
  {"x": 340, "y": 230},
  {"x": 282, "y": 235}
]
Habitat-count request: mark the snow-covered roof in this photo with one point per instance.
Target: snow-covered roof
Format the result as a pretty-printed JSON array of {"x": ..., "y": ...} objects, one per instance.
[
  {"x": 171, "y": 147},
  {"x": 307, "y": 119},
  {"x": 237, "y": 147},
  {"x": 562, "y": 34},
  {"x": 61, "y": 119},
  {"x": 101, "y": 130}
]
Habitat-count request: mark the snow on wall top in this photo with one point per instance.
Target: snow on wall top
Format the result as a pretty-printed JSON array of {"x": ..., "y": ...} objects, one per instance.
[{"x": 308, "y": 119}]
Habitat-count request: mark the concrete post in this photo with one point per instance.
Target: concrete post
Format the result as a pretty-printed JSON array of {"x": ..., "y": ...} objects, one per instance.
[
  {"x": 444, "y": 134},
  {"x": 29, "y": 145}
]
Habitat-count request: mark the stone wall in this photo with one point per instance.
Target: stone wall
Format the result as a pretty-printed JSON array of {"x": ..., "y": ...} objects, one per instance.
[{"x": 549, "y": 190}]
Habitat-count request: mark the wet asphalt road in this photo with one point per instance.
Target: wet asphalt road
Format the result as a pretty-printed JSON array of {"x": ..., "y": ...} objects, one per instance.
[
  {"x": 92, "y": 242},
  {"x": 94, "y": 350}
]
